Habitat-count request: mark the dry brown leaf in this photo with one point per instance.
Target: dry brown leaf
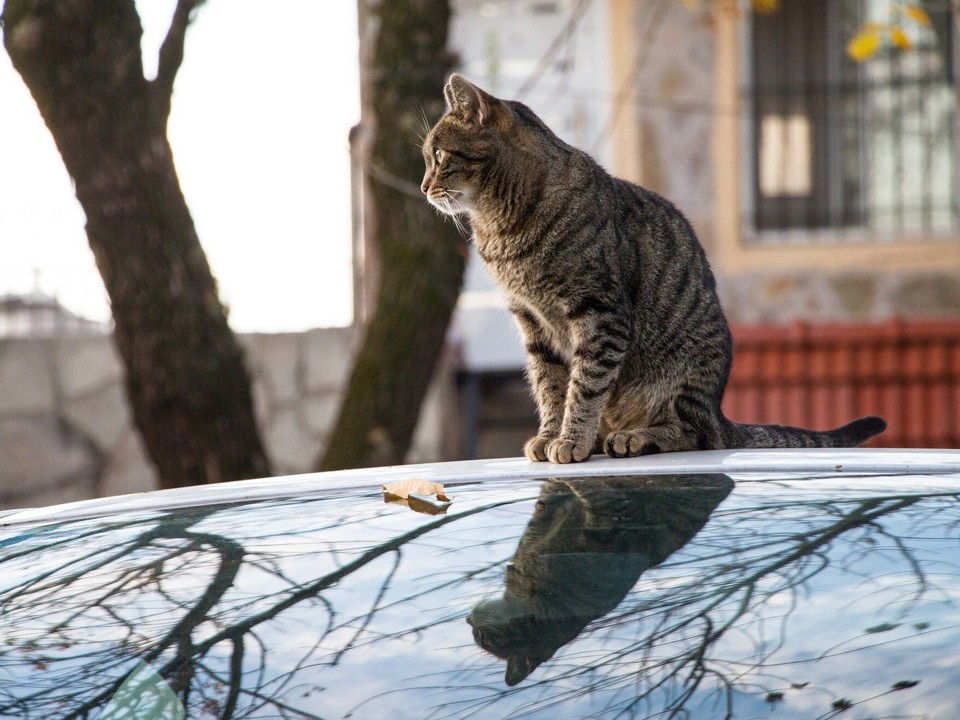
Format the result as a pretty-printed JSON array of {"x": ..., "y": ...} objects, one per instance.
[
  {"x": 419, "y": 495},
  {"x": 403, "y": 489}
]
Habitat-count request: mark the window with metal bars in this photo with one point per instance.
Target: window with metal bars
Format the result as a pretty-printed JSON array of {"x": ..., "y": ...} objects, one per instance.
[{"x": 862, "y": 150}]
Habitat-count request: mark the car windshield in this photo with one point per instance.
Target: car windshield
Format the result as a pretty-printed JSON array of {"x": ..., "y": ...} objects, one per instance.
[{"x": 705, "y": 596}]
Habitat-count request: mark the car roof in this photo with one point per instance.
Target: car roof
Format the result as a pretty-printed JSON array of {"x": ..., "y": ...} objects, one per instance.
[
  {"x": 707, "y": 585},
  {"x": 877, "y": 461}
]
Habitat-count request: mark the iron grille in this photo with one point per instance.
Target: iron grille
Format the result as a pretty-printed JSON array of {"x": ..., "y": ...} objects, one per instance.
[{"x": 865, "y": 150}]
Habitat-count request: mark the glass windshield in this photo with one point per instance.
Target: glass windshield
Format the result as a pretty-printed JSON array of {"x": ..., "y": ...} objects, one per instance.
[{"x": 693, "y": 595}]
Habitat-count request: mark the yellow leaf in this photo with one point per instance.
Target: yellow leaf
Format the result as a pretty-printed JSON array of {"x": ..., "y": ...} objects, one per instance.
[
  {"x": 403, "y": 489},
  {"x": 918, "y": 14},
  {"x": 766, "y": 7},
  {"x": 864, "y": 45},
  {"x": 900, "y": 39}
]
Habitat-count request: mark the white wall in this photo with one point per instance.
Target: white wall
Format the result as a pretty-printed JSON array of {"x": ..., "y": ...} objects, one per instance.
[{"x": 66, "y": 431}]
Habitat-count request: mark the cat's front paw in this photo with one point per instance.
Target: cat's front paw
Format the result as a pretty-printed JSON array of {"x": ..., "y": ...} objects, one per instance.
[
  {"x": 565, "y": 450},
  {"x": 536, "y": 448}
]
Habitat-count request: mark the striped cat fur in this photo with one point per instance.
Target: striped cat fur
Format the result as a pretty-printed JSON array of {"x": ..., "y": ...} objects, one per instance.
[{"x": 629, "y": 350}]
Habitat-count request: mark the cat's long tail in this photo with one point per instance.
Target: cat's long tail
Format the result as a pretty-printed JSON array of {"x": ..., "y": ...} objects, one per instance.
[{"x": 783, "y": 436}]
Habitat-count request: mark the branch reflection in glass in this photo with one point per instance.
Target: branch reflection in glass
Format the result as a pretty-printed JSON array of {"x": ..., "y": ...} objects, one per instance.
[{"x": 667, "y": 596}]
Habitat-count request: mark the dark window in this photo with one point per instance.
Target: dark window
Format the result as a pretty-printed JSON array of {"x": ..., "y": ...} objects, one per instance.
[{"x": 843, "y": 145}]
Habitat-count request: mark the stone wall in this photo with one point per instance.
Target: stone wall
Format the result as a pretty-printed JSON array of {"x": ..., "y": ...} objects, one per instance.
[
  {"x": 853, "y": 295},
  {"x": 674, "y": 112},
  {"x": 66, "y": 432}
]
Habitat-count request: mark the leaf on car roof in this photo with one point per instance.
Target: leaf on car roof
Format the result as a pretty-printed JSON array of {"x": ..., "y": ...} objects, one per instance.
[
  {"x": 417, "y": 494},
  {"x": 413, "y": 486}
]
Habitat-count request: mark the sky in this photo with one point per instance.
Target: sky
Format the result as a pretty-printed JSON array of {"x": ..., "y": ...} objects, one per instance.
[{"x": 261, "y": 112}]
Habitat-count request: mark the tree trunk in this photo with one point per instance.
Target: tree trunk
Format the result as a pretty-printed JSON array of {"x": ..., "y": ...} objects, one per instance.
[
  {"x": 421, "y": 258},
  {"x": 186, "y": 380}
]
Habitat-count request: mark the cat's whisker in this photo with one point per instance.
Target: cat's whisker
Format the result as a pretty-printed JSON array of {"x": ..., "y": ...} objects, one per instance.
[
  {"x": 424, "y": 122},
  {"x": 445, "y": 204}
]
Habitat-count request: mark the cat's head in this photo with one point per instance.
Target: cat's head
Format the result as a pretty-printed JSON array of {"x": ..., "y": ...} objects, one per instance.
[
  {"x": 480, "y": 136},
  {"x": 510, "y": 629}
]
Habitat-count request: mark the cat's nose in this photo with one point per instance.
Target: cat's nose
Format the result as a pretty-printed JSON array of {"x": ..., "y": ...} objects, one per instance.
[{"x": 425, "y": 185}]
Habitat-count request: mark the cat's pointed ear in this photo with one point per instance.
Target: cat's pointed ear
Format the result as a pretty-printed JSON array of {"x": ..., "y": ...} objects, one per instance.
[
  {"x": 519, "y": 667},
  {"x": 466, "y": 98}
]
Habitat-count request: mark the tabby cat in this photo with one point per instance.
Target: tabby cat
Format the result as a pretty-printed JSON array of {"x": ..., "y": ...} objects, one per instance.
[{"x": 629, "y": 349}]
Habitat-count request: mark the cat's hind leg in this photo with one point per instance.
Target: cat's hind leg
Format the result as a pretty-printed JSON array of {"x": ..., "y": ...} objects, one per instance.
[
  {"x": 669, "y": 437},
  {"x": 655, "y": 418}
]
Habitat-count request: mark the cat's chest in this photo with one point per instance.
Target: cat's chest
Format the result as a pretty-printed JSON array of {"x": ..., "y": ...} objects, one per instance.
[
  {"x": 532, "y": 288},
  {"x": 520, "y": 272},
  {"x": 545, "y": 304},
  {"x": 540, "y": 288},
  {"x": 517, "y": 282}
]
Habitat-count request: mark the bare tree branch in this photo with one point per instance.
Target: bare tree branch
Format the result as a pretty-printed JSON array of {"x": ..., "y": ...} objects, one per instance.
[{"x": 171, "y": 56}]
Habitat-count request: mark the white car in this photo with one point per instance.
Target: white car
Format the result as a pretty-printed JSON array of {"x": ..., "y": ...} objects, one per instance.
[{"x": 744, "y": 584}]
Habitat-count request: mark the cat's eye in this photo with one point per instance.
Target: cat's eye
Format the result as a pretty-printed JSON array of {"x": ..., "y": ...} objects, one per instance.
[{"x": 438, "y": 155}]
